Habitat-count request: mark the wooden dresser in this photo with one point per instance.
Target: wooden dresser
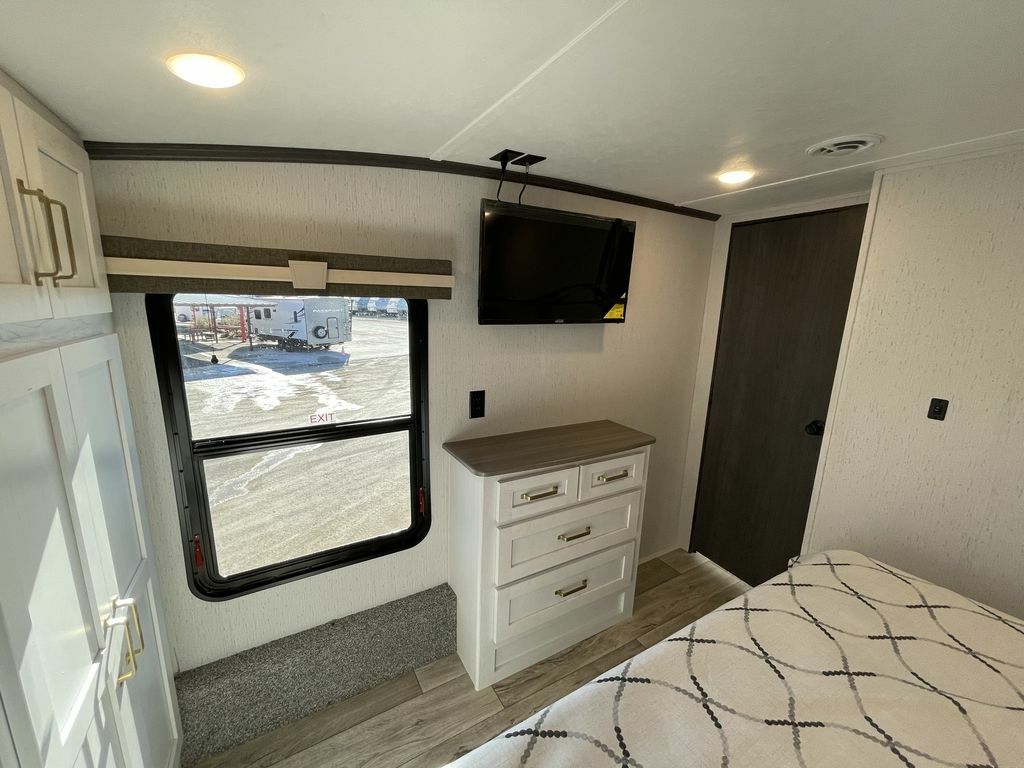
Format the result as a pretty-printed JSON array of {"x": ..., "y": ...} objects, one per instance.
[{"x": 543, "y": 541}]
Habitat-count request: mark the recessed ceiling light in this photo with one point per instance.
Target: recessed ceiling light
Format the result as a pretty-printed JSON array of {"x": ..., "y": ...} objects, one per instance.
[
  {"x": 206, "y": 70},
  {"x": 738, "y": 176}
]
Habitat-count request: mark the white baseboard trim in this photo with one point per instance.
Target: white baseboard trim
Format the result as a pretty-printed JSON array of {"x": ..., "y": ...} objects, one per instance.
[{"x": 657, "y": 554}]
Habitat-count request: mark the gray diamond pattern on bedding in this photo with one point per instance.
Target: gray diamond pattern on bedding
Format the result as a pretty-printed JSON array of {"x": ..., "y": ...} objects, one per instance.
[{"x": 840, "y": 661}]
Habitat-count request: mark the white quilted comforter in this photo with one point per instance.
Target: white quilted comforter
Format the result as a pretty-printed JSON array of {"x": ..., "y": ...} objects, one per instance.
[{"x": 840, "y": 661}]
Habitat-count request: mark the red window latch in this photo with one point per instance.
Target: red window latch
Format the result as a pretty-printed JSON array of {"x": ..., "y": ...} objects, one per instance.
[
  {"x": 197, "y": 551},
  {"x": 423, "y": 502}
]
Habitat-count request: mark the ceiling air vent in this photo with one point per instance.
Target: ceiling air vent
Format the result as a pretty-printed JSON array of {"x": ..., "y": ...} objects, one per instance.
[{"x": 844, "y": 145}]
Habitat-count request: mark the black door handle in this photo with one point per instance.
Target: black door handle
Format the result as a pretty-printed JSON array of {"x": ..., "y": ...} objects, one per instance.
[{"x": 816, "y": 428}]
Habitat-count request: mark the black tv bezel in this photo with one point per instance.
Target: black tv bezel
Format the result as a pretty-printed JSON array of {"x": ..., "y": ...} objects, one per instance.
[{"x": 548, "y": 214}]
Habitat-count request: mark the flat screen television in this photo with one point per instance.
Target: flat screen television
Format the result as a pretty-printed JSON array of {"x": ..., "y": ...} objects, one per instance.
[{"x": 539, "y": 265}]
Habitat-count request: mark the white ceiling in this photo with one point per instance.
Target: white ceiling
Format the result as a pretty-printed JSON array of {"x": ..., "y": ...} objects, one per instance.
[{"x": 652, "y": 97}]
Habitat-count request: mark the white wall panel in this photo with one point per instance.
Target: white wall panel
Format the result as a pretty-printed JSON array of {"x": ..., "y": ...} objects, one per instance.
[
  {"x": 640, "y": 373},
  {"x": 940, "y": 314}
]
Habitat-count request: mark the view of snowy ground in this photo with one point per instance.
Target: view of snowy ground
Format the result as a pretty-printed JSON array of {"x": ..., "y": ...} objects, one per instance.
[{"x": 275, "y": 505}]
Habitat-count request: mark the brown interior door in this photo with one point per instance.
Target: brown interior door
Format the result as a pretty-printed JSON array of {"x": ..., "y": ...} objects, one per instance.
[{"x": 787, "y": 291}]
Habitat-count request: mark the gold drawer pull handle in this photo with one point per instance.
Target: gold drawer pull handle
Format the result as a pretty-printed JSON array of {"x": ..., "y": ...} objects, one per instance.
[
  {"x": 566, "y": 591},
  {"x": 71, "y": 243},
  {"x": 574, "y": 536},
  {"x": 538, "y": 496},
  {"x": 47, "y": 203},
  {"x": 129, "y": 653},
  {"x": 44, "y": 201},
  {"x": 617, "y": 476},
  {"x": 129, "y": 602}
]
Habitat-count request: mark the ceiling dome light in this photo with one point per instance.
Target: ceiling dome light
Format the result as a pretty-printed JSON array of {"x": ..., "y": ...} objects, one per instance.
[
  {"x": 206, "y": 70},
  {"x": 739, "y": 176}
]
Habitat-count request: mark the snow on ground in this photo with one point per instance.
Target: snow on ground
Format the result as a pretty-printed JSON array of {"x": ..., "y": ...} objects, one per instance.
[{"x": 269, "y": 506}]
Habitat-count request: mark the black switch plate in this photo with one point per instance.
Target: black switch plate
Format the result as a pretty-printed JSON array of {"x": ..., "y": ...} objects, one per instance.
[
  {"x": 937, "y": 409},
  {"x": 476, "y": 404}
]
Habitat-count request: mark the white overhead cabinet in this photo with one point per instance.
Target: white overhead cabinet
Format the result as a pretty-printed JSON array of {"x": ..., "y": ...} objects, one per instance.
[
  {"x": 22, "y": 297},
  {"x": 84, "y": 674},
  {"x": 51, "y": 261}
]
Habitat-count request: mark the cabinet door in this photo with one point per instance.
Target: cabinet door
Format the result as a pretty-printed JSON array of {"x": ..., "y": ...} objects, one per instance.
[
  {"x": 146, "y": 707},
  {"x": 22, "y": 297},
  {"x": 55, "y": 645},
  {"x": 8, "y": 757},
  {"x": 100, "y": 748},
  {"x": 109, "y": 487},
  {"x": 59, "y": 167}
]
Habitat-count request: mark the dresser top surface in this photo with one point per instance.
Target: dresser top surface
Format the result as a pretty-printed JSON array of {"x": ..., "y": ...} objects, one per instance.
[{"x": 548, "y": 447}]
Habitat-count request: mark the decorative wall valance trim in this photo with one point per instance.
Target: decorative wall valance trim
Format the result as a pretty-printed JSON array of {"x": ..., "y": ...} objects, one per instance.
[{"x": 138, "y": 265}]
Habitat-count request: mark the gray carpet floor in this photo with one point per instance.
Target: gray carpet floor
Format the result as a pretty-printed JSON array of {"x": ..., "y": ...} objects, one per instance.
[{"x": 238, "y": 698}]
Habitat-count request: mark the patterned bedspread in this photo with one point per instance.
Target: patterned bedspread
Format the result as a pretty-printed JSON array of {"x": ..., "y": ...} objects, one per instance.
[{"x": 840, "y": 661}]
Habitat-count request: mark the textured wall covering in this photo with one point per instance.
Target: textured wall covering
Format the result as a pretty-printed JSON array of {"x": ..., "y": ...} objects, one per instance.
[
  {"x": 940, "y": 314},
  {"x": 639, "y": 373}
]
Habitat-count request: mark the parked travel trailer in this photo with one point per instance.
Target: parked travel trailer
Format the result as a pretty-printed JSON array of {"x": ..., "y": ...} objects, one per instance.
[
  {"x": 398, "y": 308},
  {"x": 310, "y": 323}
]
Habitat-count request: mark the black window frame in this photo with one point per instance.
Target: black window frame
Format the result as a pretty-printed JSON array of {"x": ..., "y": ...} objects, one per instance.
[{"x": 188, "y": 455}]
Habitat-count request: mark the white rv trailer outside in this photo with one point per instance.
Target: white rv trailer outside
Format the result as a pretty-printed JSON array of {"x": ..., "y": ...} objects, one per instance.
[
  {"x": 310, "y": 323},
  {"x": 397, "y": 308}
]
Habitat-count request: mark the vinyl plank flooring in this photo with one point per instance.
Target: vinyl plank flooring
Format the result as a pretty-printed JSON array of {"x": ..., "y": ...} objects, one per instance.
[
  {"x": 432, "y": 716},
  {"x": 650, "y": 610},
  {"x": 439, "y": 672},
  {"x": 463, "y": 743},
  {"x": 718, "y": 597},
  {"x": 394, "y": 737},
  {"x": 271, "y": 748},
  {"x": 683, "y": 561},
  {"x": 652, "y": 573}
]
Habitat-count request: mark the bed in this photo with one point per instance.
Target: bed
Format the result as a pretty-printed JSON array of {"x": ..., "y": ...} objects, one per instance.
[{"x": 839, "y": 661}]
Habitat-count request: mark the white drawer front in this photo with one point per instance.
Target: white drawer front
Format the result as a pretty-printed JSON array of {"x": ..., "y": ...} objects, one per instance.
[
  {"x": 589, "y": 619},
  {"x": 541, "y": 599},
  {"x": 603, "y": 478},
  {"x": 544, "y": 542},
  {"x": 523, "y": 497}
]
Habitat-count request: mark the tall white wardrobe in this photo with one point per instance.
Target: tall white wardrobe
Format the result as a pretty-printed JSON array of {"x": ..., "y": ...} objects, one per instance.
[{"x": 84, "y": 674}]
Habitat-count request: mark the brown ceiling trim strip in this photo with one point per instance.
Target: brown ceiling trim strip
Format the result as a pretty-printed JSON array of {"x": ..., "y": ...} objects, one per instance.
[
  {"x": 106, "y": 150},
  {"x": 174, "y": 250}
]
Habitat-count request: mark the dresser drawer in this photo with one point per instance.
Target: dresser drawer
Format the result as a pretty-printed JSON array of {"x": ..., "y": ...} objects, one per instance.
[
  {"x": 539, "y": 600},
  {"x": 603, "y": 478},
  {"x": 544, "y": 542},
  {"x": 569, "y": 628},
  {"x": 523, "y": 497}
]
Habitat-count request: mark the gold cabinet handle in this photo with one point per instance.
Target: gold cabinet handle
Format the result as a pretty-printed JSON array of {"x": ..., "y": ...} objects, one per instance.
[
  {"x": 574, "y": 536},
  {"x": 129, "y": 653},
  {"x": 566, "y": 591},
  {"x": 67, "y": 235},
  {"x": 51, "y": 230},
  {"x": 537, "y": 496},
  {"x": 130, "y": 604},
  {"x": 610, "y": 478}
]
